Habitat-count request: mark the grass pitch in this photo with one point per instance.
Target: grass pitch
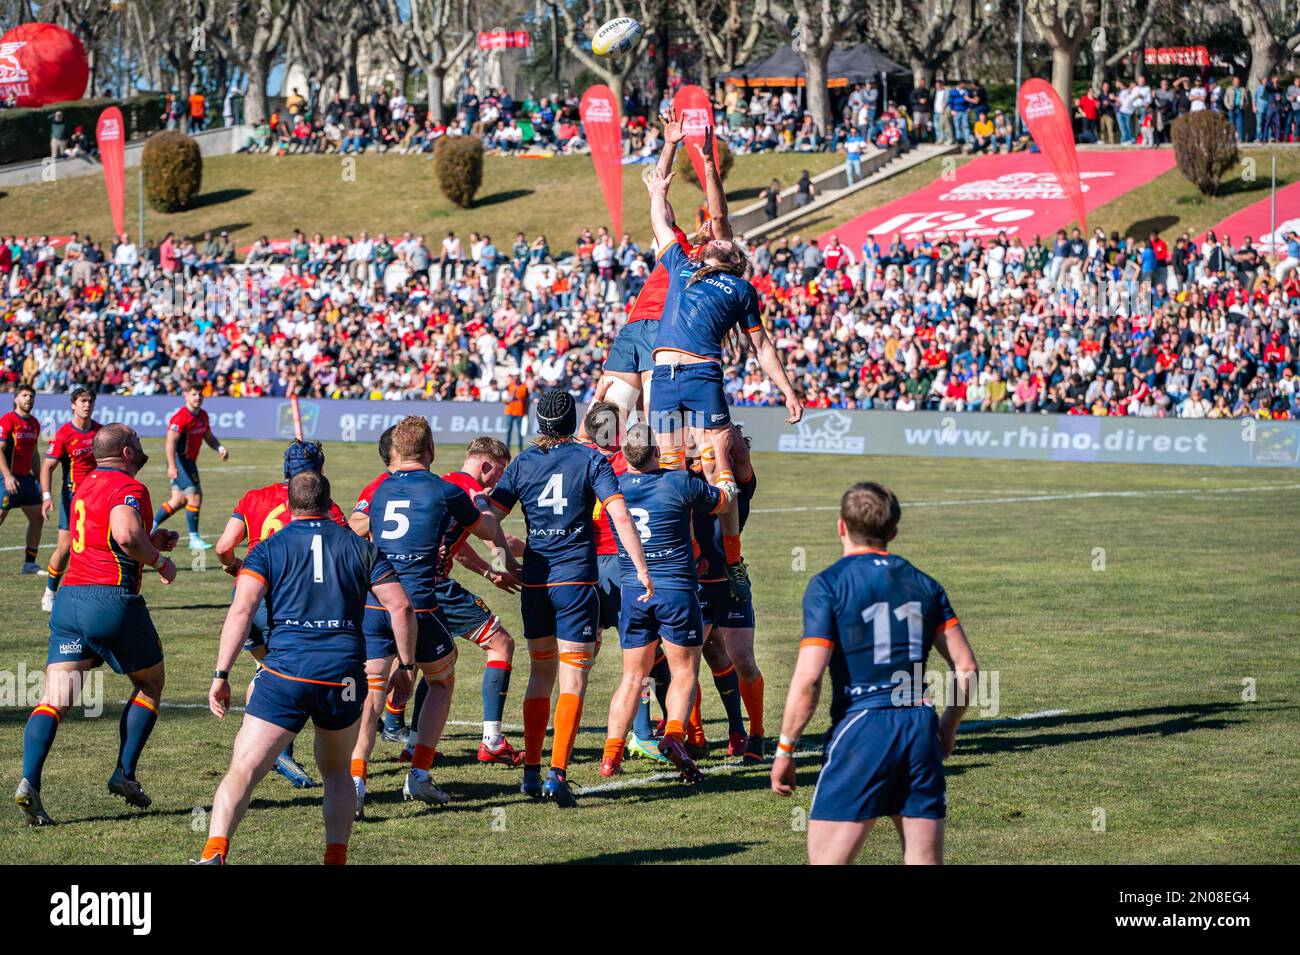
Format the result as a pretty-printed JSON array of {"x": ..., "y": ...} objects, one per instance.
[{"x": 1136, "y": 606}]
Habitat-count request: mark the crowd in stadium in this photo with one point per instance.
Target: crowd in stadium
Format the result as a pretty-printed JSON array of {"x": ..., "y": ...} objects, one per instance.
[{"x": 1063, "y": 324}]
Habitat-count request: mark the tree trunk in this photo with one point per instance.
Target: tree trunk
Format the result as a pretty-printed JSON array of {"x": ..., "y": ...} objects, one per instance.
[
  {"x": 922, "y": 72},
  {"x": 256, "y": 107},
  {"x": 435, "y": 76},
  {"x": 1263, "y": 58},
  {"x": 819, "y": 101},
  {"x": 659, "y": 68},
  {"x": 1063, "y": 72}
]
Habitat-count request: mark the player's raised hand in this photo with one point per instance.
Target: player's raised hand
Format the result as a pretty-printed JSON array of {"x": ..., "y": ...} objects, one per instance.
[
  {"x": 167, "y": 570},
  {"x": 704, "y": 149},
  {"x": 673, "y": 132},
  {"x": 164, "y": 539},
  {"x": 656, "y": 183},
  {"x": 219, "y": 698},
  {"x": 644, "y": 577},
  {"x": 783, "y": 778},
  {"x": 795, "y": 407}
]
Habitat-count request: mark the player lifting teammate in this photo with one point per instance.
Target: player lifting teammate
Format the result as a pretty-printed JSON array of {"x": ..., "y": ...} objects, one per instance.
[
  {"x": 872, "y": 618},
  {"x": 661, "y": 504},
  {"x": 315, "y": 577},
  {"x": 187, "y": 431},
  {"x": 19, "y": 433},
  {"x": 259, "y": 514},
  {"x": 706, "y": 299},
  {"x": 100, "y": 617},
  {"x": 557, "y": 482},
  {"x": 73, "y": 448}
]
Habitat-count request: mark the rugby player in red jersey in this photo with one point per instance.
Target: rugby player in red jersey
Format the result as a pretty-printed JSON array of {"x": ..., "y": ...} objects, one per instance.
[
  {"x": 72, "y": 447},
  {"x": 187, "y": 431},
  {"x": 100, "y": 617},
  {"x": 259, "y": 514},
  {"x": 19, "y": 433}
]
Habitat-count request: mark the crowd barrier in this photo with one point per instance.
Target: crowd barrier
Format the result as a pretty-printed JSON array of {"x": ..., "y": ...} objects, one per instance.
[{"x": 1245, "y": 442}]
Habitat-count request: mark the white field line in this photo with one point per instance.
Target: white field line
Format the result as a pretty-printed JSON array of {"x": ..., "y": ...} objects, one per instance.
[
  {"x": 1036, "y": 498},
  {"x": 1040, "y": 715}
]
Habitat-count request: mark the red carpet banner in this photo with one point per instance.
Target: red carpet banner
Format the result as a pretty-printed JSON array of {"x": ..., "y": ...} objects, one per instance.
[
  {"x": 42, "y": 63},
  {"x": 692, "y": 106},
  {"x": 1017, "y": 194},
  {"x": 1049, "y": 123},
  {"x": 602, "y": 125},
  {"x": 1255, "y": 220},
  {"x": 110, "y": 135}
]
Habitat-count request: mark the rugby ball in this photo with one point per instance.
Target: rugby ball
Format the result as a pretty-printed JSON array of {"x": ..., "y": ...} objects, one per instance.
[{"x": 616, "y": 37}]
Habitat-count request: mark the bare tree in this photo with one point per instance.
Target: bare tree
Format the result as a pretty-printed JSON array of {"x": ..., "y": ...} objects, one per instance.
[
  {"x": 813, "y": 29},
  {"x": 926, "y": 33},
  {"x": 1271, "y": 32},
  {"x": 171, "y": 32},
  {"x": 249, "y": 34},
  {"x": 1064, "y": 24},
  {"x": 1135, "y": 18},
  {"x": 325, "y": 35},
  {"x": 726, "y": 31},
  {"x": 613, "y": 70},
  {"x": 429, "y": 26},
  {"x": 90, "y": 21}
]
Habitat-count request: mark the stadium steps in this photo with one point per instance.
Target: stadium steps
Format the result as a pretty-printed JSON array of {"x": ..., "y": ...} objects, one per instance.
[{"x": 831, "y": 189}]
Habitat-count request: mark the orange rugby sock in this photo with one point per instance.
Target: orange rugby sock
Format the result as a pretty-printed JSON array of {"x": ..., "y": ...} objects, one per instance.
[
  {"x": 675, "y": 729},
  {"x": 731, "y": 547},
  {"x": 568, "y": 712},
  {"x": 751, "y": 692},
  {"x": 422, "y": 758},
  {"x": 358, "y": 769},
  {"x": 336, "y": 853},
  {"x": 216, "y": 846},
  {"x": 695, "y": 725},
  {"x": 537, "y": 711},
  {"x": 614, "y": 748}
]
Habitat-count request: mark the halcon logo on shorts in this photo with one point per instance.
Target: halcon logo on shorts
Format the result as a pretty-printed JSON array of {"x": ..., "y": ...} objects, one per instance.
[
  {"x": 76, "y": 908},
  {"x": 73, "y": 647}
]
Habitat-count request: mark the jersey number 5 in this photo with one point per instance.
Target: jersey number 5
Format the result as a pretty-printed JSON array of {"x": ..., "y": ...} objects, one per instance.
[{"x": 400, "y": 522}]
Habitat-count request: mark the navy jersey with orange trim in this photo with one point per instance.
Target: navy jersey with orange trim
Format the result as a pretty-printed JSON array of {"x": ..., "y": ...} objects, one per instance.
[
  {"x": 74, "y": 449},
  {"x": 606, "y": 539},
  {"x": 411, "y": 514},
  {"x": 368, "y": 492},
  {"x": 19, "y": 436},
  {"x": 696, "y": 318},
  {"x": 708, "y": 534},
  {"x": 193, "y": 428},
  {"x": 317, "y": 577},
  {"x": 879, "y": 614},
  {"x": 661, "y": 505},
  {"x": 265, "y": 510},
  {"x": 558, "y": 490},
  {"x": 96, "y": 558},
  {"x": 456, "y": 531},
  {"x": 649, "y": 303}
]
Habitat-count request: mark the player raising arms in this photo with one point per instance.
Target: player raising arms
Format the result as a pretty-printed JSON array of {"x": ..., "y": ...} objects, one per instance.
[
  {"x": 100, "y": 617},
  {"x": 661, "y": 504},
  {"x": 259, "y": 514},
  {"x": 19, "y": 433},
  {"x": 413, "y": 511},
  {"x": 72, "y": 447},
  {"x": 187, "y": 432},
  {"x": 315, "y": 577},
  {"x": 706, "y": 300},
  {"x": 625, "y": 380},
  {"x": 600, "y": 430},
  {"x": 557, "y": 482},
  {"x": 872, "y": 617}
]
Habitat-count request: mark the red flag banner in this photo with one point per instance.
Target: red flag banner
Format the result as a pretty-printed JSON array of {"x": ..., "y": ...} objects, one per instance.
[
  {"x": 1176, "y": 56},
  {"x": 602, "y": 125},
  {"x": 695, "y": 111},
  {"x": 110, "y": 134},
  {"x": 505, "y": 40},
  {"x": 1049, "y": 123}
]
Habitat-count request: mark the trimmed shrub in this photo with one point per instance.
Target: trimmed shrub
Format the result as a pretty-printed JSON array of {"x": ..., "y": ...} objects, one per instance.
[
  {"x": 1204, "y": 148},
  {"x": 173, "y": 171},
  {"x": 685, "y": 169},
  {"x": 458, "y": 166},
  {"x": 25, "y": 133}
]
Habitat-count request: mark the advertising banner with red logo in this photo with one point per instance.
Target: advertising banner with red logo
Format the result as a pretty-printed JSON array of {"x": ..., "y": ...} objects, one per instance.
[
  {"x": 505, "y": 40},
  {"x": 1256, "y": 221},
  {"x": 42, "y": 63},
  {"x": 602, "y": 125},
  {"x": 1017, "y": 194},
  {"x": 1050, "y": 124},
  {"x": 695, "y": 112},
  {"x": 110, "y": 135},
  {"x": 1176, "y": 56}
]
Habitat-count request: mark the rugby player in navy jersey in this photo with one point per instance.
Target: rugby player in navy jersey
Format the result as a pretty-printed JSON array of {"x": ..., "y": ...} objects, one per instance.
[
  {"x": 661, "y": 504},
  {"x": 872, "y": 618},
  {"x": 707, "y": 298},
  {"x": 557, "y": 482},
  {"x": 315, "y": 577},
  {"x": 411, "y": 515}
]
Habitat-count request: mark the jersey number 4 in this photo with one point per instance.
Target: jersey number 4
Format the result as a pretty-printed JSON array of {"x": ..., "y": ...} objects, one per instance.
[
  {"x": 552, "y": 495},
  {"x": 877, "y": 617}
]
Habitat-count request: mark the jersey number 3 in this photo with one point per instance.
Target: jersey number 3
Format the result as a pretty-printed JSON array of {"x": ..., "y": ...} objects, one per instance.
[{"x": 79, "y": 528}]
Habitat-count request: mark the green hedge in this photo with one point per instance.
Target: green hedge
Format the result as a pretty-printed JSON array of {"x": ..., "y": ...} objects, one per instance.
[{"x": 25, "y": 133}]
